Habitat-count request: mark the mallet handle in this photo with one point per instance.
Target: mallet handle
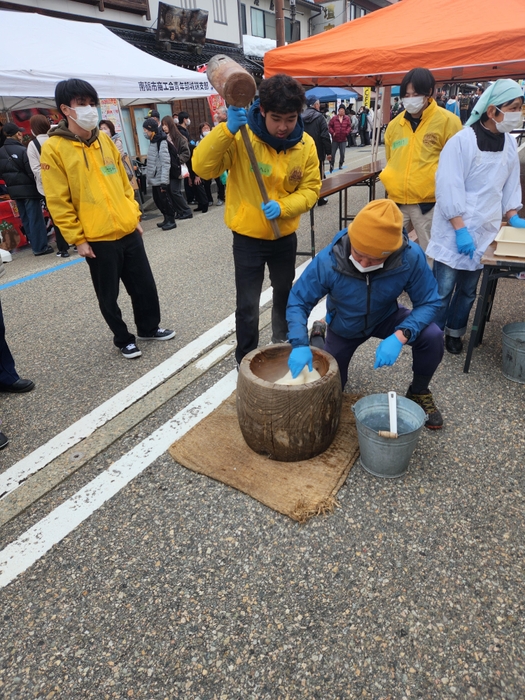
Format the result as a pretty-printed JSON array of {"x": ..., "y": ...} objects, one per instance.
[{"x": 258, "y": 176}]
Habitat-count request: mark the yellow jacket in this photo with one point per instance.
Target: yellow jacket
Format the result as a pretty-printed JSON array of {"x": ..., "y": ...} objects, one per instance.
[
  {"x": 291, "y": 178},
  {"x": 87, "y": 189},
  {"x": 412, "y": 156}
]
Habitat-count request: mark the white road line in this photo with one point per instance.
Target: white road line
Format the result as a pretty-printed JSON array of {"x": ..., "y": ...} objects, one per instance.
[
  {"x": 217, "y": 353},
  {"x": 11, "y": 478},
  {"x": 18, "y": 556}
]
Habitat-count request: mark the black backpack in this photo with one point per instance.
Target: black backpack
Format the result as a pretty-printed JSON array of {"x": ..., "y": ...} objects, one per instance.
[{"x": 175, "y": 168}]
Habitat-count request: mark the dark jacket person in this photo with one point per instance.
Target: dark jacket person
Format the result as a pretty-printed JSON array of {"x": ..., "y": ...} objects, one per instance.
[{"x": 21, "y": 186}]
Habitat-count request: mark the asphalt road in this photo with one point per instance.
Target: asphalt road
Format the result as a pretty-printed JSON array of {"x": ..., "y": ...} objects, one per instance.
[{"x": 180, "y": 587}]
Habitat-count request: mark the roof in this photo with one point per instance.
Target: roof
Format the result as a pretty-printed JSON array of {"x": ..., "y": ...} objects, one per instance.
[
  {"x": 457, "y": 40},
  {"x": 29, "y": 72},
  {"x": 185, "y": 55}
]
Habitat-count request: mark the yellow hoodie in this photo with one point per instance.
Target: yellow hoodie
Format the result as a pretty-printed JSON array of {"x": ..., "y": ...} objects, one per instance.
[
  {"x": 412, "y": 156},
  {"x": 291, "y": 178},
  {"x": 87, "y": 189}
]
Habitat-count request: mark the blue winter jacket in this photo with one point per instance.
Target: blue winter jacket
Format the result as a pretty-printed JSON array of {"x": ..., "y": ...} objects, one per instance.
[{"x": 357, "y": 302}]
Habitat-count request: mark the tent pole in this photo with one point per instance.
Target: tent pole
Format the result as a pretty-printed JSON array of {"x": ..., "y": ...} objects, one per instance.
[{"x": 375, "y": 139}]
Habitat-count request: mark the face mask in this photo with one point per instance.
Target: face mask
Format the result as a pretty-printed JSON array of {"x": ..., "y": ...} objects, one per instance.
[
  {"x": 188, "y": 122},
  {"x": 362, "y": 269},
  {"x": 87, "y": 117},
  {"x": 511, "y": 121},
  {"x": 175, "y": 119},
  {"x": 413, "y": 105},
  {"x": 205, "y": 133}
]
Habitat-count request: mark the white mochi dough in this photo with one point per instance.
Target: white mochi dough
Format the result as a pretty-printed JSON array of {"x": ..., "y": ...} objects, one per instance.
[{"x": 304, "y": 377}]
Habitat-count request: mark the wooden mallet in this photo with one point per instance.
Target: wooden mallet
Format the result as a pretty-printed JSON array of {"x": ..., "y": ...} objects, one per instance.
[{"x": 238, "y": 88}]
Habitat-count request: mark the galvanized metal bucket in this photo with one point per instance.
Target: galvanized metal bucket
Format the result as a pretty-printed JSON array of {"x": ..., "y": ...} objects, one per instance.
[
  {"x": 513, "y": 366},
  {"x": 387, "y": 457}
]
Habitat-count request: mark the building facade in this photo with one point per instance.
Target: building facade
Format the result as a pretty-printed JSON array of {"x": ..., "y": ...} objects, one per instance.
[{"x": 336, "y": 12}]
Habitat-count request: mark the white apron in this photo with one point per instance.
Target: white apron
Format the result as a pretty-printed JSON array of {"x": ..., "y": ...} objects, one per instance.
[{"x": 486, "y": 177}]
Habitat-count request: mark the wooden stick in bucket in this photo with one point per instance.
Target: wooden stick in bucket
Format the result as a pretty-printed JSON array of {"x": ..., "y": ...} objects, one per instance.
[{"x": 238, "y": 88}]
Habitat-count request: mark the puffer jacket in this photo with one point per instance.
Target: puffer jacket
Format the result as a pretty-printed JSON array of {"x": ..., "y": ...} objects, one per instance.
[
  {"x": 315, "y": 125},
  {"x": 291, "y": 176},
  {"x": 357, "y": 302},
  {"x": 87, "y": 188},
  {"x": 159, "y": 161},
  {"x": 412, "y": 156},
  {"x": 16, "y": 171},
  {"x": 339, "y": 129}
]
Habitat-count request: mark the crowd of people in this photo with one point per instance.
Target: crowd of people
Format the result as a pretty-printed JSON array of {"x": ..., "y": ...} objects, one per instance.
[{"x": 451, "y": 184}]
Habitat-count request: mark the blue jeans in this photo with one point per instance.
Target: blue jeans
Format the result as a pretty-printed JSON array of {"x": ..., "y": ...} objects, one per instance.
[
  {"x": 34, "y": 224},
  {"x": 457, "y": 289}
]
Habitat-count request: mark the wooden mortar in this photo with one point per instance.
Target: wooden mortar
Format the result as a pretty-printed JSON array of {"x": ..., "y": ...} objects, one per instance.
[{"x": 287, "y": 423}]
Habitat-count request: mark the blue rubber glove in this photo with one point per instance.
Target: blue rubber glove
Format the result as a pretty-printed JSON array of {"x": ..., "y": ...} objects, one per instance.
[
  {"x": 299, "y": 357},
  {"x": 271, "y": 209},
  {"x": 237, "y": 117},
  {"x": 465, "y": 242},
  {"x": 388, "y": 351},
  {"x": 516, "y": 221}
]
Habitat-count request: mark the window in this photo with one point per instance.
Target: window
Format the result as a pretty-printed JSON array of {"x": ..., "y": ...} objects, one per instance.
[
  {"x": 289, "y": 34},
  {"x": 263, "y": 23},
  {"x": 244, "y": 26},
  {"x": 219, "y": 12}
]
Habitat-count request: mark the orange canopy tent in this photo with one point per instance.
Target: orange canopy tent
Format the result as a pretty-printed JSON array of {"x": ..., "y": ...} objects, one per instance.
[{"x": 458, "y": 40}]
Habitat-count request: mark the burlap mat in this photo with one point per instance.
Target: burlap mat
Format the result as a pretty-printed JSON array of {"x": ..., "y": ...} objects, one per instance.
[{"x": 215, "y": 447}]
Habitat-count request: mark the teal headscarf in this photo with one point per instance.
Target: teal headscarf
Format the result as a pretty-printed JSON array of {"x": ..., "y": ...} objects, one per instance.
[{"x": 498, "y": 93}]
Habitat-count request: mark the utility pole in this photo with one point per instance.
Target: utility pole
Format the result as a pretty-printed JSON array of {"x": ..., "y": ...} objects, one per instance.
[{"x": 279, "y": 22}]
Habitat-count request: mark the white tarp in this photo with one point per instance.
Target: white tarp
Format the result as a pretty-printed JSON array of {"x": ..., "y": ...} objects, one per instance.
[{"x": 36, "y": 52}]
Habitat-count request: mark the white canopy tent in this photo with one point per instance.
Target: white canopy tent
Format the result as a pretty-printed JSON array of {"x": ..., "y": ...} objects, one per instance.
[{"x": 38, "y": 51}]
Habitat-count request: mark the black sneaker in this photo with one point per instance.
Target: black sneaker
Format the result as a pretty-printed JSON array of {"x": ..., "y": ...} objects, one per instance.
[
  {"x": 130, "y": 351},
  {"x": 46, "y": 251},
  {"x": 426, "y": 401},
  {"x": 63, "y": 254},
  {"x": 453, "y": 345},
  {"x": 4, "y": 441},
  {"x": 160, "y": 334}
]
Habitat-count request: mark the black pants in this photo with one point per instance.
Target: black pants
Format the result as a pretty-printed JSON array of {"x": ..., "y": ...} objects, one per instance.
[
  {"x": 162, "y": 200},
  {"x": 177, "y": 198},
  {"x": 207, "y": 189},
  {"x": 365, "y": 138},
  {"x": 199, "y": 193},
  {"x": 221, "y": 189},
  {"x": 125, "y": 260},
  {"x": 250, "y": 255},
  {"x": 8, "y": 373}
]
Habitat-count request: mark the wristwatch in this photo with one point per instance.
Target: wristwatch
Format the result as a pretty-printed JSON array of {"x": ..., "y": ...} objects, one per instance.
[{"x": 407, "y": 333}]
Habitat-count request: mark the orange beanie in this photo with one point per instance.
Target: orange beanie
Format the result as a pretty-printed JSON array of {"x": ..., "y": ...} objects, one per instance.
[{"x": 377, "y": 230}]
